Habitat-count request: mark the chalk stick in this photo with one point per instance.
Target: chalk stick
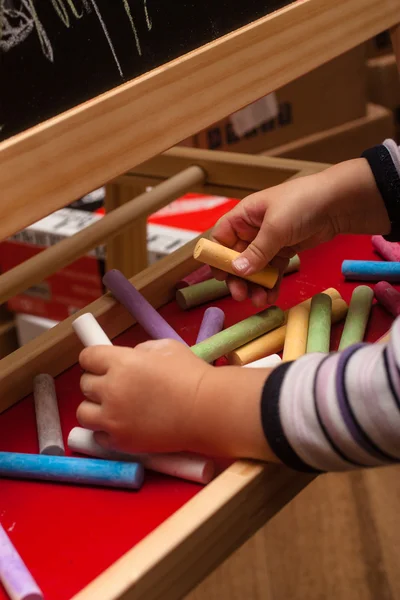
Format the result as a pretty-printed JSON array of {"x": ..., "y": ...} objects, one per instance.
[
  {"x": 294, "y": 265},
  {"x": 384, "y": 338},
  {"x": 388, "y": 250},
  {"x": 357, "y": 316},
  {"x": 200, "y": 293},
  {"x": 89, "y": 331},
  {"x": 220, "y": 257},
  {"x": 273, "y": 342},
  {"x": 47, "y": 416},
  {"x": 265, "y": 363},
  {"x": 319, "y": 329},
  {"x": 71, "y": 470},
  {"x": 202, "y": 274},
  {"x": 183, "y": 466},
  {"x": 388, "y": 297},
  {"x": 140, "y": 309},
  {"x": 212, "y": 323},
  {"x": 296, "y": 333},
  {"x": 239, "y": 334},
  {"x": 370, "y": 270},
  {"x": 14, "y": 575}
]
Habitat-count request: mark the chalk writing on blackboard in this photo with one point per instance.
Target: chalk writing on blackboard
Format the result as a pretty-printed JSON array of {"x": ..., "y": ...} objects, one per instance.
[{"x": 19, "y": 19}]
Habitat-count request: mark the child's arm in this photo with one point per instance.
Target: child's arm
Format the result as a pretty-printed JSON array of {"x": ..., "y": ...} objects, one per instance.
[
  {"x": 321, "y": 413},
  {"x": 273, "y": 225}
]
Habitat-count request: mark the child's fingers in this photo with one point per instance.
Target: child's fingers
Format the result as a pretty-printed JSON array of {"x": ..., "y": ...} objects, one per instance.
[
  {"x": 104, "y": 439},
  {"x": 91, "y": 386},
  {"x": 97, "y": 359},
  {"x": 89, "y": 415},
  {"x": 238, "y": 288},
  {"x": 259, "y": 296}
]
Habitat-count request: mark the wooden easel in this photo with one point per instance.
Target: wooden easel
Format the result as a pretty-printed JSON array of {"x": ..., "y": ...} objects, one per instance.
[{"x": 268, "y": 53}]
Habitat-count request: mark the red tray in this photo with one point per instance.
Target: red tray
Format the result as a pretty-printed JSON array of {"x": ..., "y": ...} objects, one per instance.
[{"x": 67, "y": 535}]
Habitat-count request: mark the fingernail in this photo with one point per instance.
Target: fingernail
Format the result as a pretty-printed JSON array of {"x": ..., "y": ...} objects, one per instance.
[{"x": 241, "y": 264}]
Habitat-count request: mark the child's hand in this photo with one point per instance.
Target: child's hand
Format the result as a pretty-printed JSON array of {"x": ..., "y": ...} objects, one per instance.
[
  {"x": 271, "y": 226},
  {"x": 142, "y": 398},
  {"x": 159, "y": 397}
]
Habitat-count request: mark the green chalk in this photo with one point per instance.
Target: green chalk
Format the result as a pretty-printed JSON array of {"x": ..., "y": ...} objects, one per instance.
[
  {"x": 357, "y": 317},
  {"x": 319, "y": 328},
  {"x": 200, "y": 293},
  {"x": 228, "y": 340}
]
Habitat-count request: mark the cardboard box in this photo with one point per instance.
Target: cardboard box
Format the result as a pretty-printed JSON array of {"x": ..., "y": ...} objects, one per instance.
[
  {"x": 328, "y": 96},
  {"x": 343, "y": 142},
  {"x": 80, "y": 283}
]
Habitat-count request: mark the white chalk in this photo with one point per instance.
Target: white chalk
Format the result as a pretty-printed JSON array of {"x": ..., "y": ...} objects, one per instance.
[
  {"x": 267, "y": 362},
  {"x": 89, "y": 331},
  {"x": 184, "y": 466},
  {"x": 47, "y": 416}
]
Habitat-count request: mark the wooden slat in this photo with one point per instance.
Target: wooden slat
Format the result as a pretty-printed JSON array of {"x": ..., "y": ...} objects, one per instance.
[
  {"x": 133, "y": 213},
  {"x": 178, "y": 99},
  {"x": 242, "y": 171},
  {"x": 186, "y": 547}
]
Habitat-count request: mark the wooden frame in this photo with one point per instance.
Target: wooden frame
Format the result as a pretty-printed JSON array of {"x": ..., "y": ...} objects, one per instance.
[
  {"x": 35, "y": 179},
  {"x": 315, "y": 30},
  {"x": 227, "y": 174}
]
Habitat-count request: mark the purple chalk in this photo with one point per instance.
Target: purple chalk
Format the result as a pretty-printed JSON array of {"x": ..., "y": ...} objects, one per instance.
[
  {"x": 389, "y": 250},
  {"x": 213, "y": 322},
  {"x": 15, "y": 577},
  {"x": 140, "y": 309}
]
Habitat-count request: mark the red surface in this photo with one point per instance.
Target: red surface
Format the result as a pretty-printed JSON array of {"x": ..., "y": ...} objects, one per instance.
[{"x": 68, "y": 535}]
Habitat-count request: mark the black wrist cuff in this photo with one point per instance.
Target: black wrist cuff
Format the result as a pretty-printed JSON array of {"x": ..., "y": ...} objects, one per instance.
[{"x": 388, "y": 183}]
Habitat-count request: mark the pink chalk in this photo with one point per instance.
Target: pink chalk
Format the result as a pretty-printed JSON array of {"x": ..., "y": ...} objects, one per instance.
[
  {"x": 388, "y": 250},
  {"x": 202, "y": 274},
  {"x": 388, "y": 297}
]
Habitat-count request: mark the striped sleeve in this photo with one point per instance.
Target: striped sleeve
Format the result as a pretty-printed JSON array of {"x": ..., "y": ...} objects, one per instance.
[{"x": 336, "y": 412}]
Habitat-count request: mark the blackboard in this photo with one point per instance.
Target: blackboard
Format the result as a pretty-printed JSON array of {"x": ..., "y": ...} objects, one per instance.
[{"x": 56, "y": 54}]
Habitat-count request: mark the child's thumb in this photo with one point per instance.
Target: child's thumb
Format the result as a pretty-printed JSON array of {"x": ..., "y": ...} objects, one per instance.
[{"x": 257, "y": 254}]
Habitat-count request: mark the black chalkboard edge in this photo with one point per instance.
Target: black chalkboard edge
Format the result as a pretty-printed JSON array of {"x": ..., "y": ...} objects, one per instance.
[{"x": 50, "y": 165}]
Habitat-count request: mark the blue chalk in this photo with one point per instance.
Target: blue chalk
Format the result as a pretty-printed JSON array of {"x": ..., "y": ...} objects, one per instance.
[
  {"x": 366, "y": 270},
  {"x": 72, "y": 470}
]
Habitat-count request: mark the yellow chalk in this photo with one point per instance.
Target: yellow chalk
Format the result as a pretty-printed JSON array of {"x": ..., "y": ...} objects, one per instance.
[
  {"x": 273, "y": 342},
  {"x": 221, "y": 258},
  {"x": 296, "y": 333}
]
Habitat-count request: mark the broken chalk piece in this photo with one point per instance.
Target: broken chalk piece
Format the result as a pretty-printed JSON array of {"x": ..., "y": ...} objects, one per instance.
[
  {"x": 140, "y": 309},
  {"x": 239, "y": 334},
  {"x": 388, "y": 297},
  {"x": 265, "y": 363},
  {"x": 221, "y": 257},
  {"x": 71, "y": 470},
  {"x": 357, "y": 317},
  {"x": 388, "y": 250},
  {"x": 14, "y": 575},
  {"x": 319, "y": 329},
  {"x": 202, "y": 274},
  {"x": 296, "y": 333},
  {"x": 89, "y": 331},
  {"x": 213, "y": 322},
  {"x": 370, "y": 270},
  {"x": 47, "y": 416},
  {"x": 190, "y": 467},
  {"x": 200, "y": 293}
]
